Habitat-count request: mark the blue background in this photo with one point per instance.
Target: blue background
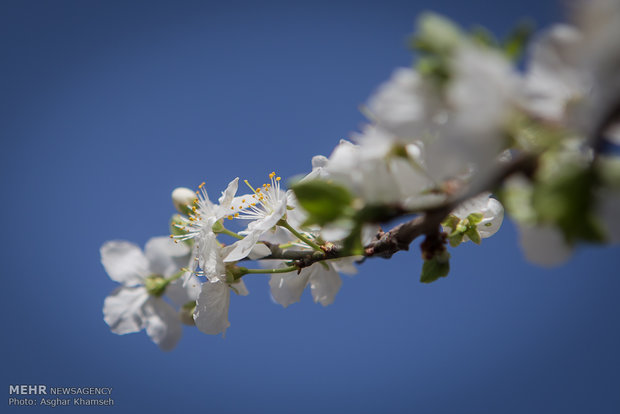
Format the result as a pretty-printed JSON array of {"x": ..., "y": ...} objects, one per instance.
[{"x": 107, "y": 106}]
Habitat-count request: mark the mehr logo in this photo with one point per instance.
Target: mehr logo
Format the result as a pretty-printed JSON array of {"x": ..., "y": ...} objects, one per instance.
[{"x": 27, "y": 389}]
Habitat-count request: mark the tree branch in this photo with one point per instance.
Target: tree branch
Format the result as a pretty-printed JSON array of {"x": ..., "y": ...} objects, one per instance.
[{"x": 428, "y": 223}]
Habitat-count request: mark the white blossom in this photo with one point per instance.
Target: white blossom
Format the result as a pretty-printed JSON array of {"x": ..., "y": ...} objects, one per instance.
[
  {"x": 265, "y": 207},
  {"x": 130, "y": 308},
  {"x": 199, "y": 227}
]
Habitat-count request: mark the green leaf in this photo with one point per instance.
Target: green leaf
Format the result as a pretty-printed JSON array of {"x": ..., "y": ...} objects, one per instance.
[
  {"x": 515, "y": 43},
  {"x": 438, "y": 266},
  {"x": 324, "y": 201},
  {"x": 484, "y": 37},
  {"x": 455, "y": 239},
  {"x": 352, "y": 245},
  {"x": 472, "y": 233},
  {"x": 475, "y": 218},
  {"x": 566, "y": 200},
  {"x": 451, "y": 221}
]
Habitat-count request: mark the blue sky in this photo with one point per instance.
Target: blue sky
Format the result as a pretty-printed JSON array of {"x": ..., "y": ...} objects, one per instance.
[{"x": 107, "y": 106}]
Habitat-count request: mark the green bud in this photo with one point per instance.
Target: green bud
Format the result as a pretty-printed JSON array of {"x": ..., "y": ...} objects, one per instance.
[
  {"x": 234, "y": 273},
  {"x": 155, "y": 285},
  {"x": 437, "y": 34},
  {"x": 217, "y": 227}
]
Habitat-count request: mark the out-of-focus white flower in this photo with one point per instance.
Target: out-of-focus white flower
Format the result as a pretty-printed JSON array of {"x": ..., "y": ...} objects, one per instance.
[
  {"x": 406, "y": 105},
  {"x": 599, "y": 22},
  {"x": 322, "y": 277},
  {"x": 379, "y": 169},
  {"x": 131, "y": 308},
  {"x": 482, "y": 94},
  {"x": 553, "y": 79},
  {"x": 265, "y": 208},
  {"x": 544, "y": 245}
]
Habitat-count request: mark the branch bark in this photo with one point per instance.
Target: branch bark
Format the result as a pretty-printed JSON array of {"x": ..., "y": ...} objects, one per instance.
[{"x": 427, "y": 223}]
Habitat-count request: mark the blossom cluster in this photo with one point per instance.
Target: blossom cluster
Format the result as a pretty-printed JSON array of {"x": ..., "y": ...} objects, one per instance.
[{"x": 441, "y": 136}]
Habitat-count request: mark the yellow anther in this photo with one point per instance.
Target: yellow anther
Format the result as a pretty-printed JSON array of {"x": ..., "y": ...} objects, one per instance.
[
  {"x": 243, "y": 201},
  {"x": 232, "y": 208},
  {"x": 171, "y": 236},
  {"x": 201, "y": 185},
  {"x": 230, "y": 217},
  {"x": 278, "y": 178},
  {"x": 273, "y": 174},
  {"x": 236, "y": 214}
]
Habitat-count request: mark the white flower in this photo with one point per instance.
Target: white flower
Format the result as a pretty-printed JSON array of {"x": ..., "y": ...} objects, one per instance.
[
  {"x": 543, "y": 245},
  {"x": 482, "y": 94},
  {"x": 265, "y": 208},
  {"x": 323, "y": 278},
  {"x": 406, "y": 105},
  {"x": 380, "y": 169},
  {"x": 492, "y": 214},
  {"x": 553, "y": 79},
  {"x": 130, "y": 308},
  {"x": 199, "y": 227}
]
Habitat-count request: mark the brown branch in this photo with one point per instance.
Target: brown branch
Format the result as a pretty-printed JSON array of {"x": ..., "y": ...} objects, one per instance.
[{"x": 386, "y": 244}]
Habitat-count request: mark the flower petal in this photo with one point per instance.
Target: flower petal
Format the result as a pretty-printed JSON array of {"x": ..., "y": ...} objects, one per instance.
[
  {"x": 165, "y": 256},
  {"x": 124, "y": 262},
  {"x": 122, "y": 309},
  {"x": 211, "y": 315},
  {"x": 163, "y": 324},
  {"x": 324, "y": 283},
  {"x": 286, "y": 288},
  {"x": 227, "y": 197},
  {"x": 181, "y": 292},
  {"x": 493, "y": 218}
]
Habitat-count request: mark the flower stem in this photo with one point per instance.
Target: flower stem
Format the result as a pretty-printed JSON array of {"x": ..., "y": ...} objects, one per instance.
[
  {"x": 177, "y": 275},
  {"x": 231, "y": 233},
  {"x": 279, "y": 270},
  {"x": 300, "y": 236}
]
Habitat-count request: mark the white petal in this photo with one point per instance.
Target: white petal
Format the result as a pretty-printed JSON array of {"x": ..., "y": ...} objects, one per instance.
[
  {"x": 259, "y": 251},
  {"x": 243, "y": 247},
  {"x": 239, "y": 288},
  {"x": 163, "y": 323},
  {"x": 165, "y": 256},
  {"x": 324, "y": 283},
  {"x": 476, "y": 204},
  {"x": 124, "y": 262},
  {"x": 227, "y": 197},
  {"x": 286, "y": 288},
  {"x": 122, "y": 309},
  {"x": 346, "y": 265},
  {"x": 544, "y": 246},
  {"x": 492, "y": 220},
  {"x": 181, "y": 292},
  {"x": 211, "y": 315},
  {"x": 210, "y": 256}
]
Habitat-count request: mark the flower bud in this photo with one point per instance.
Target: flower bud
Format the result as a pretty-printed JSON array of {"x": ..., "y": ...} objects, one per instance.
[{"x": 183, "y": 198}]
